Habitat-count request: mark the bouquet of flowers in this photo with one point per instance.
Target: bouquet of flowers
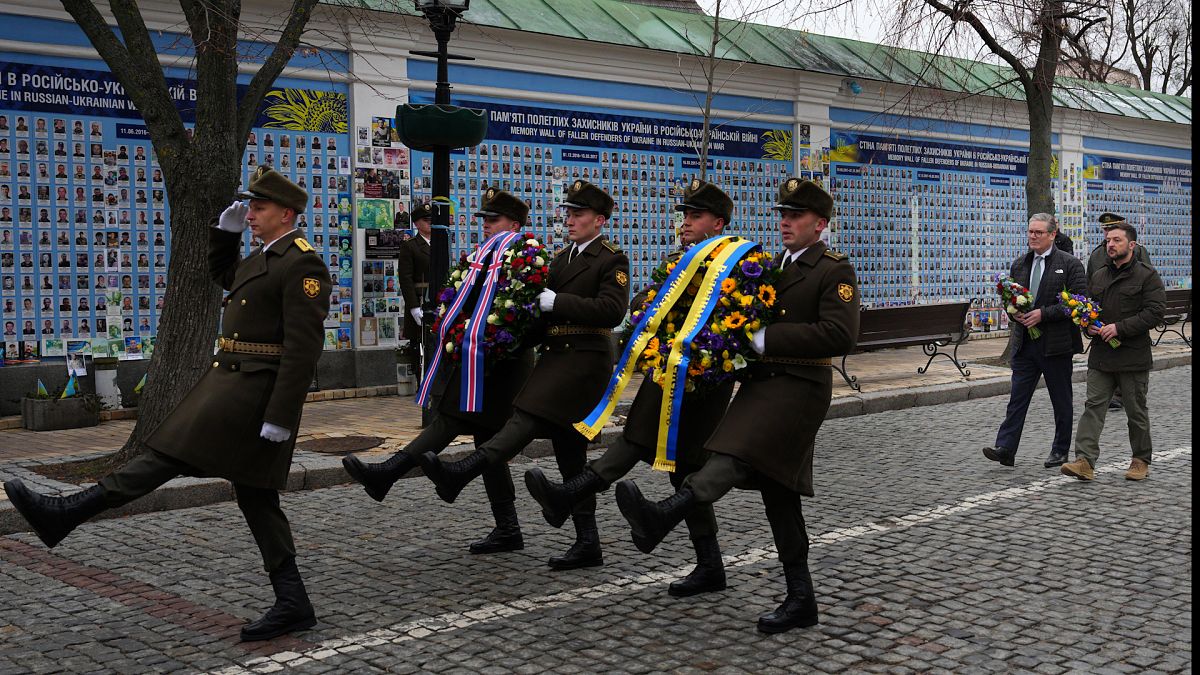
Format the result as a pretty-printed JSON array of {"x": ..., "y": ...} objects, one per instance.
[
  {"x": 524, "y": 269},
  {"x": 1016, "y": 298},
  {"x": 722, "y": 346},
  {"x": 1085, "y": 312}
]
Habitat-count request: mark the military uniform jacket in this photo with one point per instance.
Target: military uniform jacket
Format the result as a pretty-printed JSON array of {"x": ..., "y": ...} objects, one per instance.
[
  {"x": 412, "y": 268},
  {"x": 1132, "y": 297},
  {"x": 573, "y": 369},
  {"x": 1098, "y": 258},
  {"x": 773, "y": 420},
  {"x": 699, "y": 414},
  {"x": 279, "y": 297},
  {"x": 1059, "y": 336}
]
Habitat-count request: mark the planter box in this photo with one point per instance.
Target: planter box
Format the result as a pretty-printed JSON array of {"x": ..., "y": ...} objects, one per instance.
[{"x": 54, "y": 414}]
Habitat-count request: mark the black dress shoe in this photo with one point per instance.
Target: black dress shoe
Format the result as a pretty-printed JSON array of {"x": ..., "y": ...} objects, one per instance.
[
  {"x": 799, "y": 608},
  {"x": 1005, "y": 456},
  {"x": 506, "y": 536},
  {"x": 1055, "y": 459},
  {"x": 1115, "y": 404},
  {"x": 292, "y": 610},
  {"x": 585, "y": 552}
]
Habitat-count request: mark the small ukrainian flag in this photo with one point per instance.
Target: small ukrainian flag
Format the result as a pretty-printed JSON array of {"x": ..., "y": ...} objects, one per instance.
[
  {"x": 72, "y": 388},
  {"x": 140, "y": 385},
  {"x": 41, "y": 390}
]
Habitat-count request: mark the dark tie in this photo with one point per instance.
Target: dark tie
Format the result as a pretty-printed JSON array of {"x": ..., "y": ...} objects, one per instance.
[
  {"x": 787, "y": 260},
  {"x": 572, "y": 254}
]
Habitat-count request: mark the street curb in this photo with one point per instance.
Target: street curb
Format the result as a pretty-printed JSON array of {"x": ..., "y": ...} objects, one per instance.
[{"x": 313, "y": 471}]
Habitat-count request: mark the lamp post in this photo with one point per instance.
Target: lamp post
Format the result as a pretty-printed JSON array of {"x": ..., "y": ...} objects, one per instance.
[{"x": 442, "y": 16}]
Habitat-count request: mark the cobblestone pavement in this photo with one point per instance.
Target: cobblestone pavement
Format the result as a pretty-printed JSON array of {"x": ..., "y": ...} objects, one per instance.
[{"x": 926, "y": 558}]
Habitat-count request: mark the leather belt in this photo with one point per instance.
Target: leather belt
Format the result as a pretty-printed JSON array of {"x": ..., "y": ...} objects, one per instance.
[
  {"x": 578, "y": 330},
  {"x": 240, "y": 347},
  {"x": 788, "y": 361}
]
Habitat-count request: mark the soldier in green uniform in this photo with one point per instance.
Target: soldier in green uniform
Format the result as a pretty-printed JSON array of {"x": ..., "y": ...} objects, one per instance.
[
  {"x": 412, "y": 272},
  {"x": 502, "y": 380},
  {"x": 240, "y": 420},
  {"x": 585, "y": 297},
  {"x": 707, "y": 210},
  {"x": 766, "y": 439}
]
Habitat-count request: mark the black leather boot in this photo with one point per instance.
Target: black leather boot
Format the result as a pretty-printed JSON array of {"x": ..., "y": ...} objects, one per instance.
[
  {"x": 556, "y": 499},
  {"x": 506, "y": 536},
  {"x": 292, "y": 610},
  {"x": 709, "y": 574},
  {"x": 652, "y": 521},
  {"x": 799, "y": 608},
  {"x": 451, "y": 478},
  {"x": 53, "y": 518},
  {"x": 585, "y": 552},
  {"x": 377, "y": 479}
]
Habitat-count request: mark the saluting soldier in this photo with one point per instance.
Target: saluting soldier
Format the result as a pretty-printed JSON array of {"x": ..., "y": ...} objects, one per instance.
[
  {"x": 585, "y": 297},
  {"x": 240, "y": 420},
  {"x": 766, "y": 439},
  {"x": 412, "y": 271},
  {"x": 502, "y": 380},
  {"x": 707, "y": 210}
]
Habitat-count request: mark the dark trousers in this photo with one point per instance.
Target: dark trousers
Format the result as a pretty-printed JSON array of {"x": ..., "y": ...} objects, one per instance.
[
  {"x": 1028, "y": 365},
  {"x": 441, "y": 432},
  {"x": 722, "y": 473},
  {"x": 260, "y": 506},
  {"x": 570, "y": 448},
  {"x": 620, "y": 458}
]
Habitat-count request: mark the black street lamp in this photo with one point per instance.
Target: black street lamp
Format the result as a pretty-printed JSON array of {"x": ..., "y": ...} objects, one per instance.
[{"x": 439, "y": 128}]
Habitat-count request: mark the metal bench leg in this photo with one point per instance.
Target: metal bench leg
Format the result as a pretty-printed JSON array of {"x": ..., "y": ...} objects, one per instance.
[
  {"x": 933, "y": 349},
  {"x": 850, "y": 379}
]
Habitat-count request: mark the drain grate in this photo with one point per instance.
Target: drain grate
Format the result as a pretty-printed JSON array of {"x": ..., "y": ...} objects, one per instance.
[{"x": 340, "y": 445}]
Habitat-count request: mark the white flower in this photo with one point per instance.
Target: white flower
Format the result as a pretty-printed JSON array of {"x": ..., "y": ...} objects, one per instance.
[
  {"x": 449, "y": 347},
  {"x": 1022, "y": 300},
  {"x": 738, "y": 362},
  {"x": 532, "y": 242},
  {"x": 509, "y": 304},
  {"x": 1010, "y": 309},
  {"x": 456, "y": 274},
  {"x": 517, "y": 284},
  {"x": 457, "y": 285},
  {"x": 539, "y": 261},
  {"x": 494, "y": 319}
]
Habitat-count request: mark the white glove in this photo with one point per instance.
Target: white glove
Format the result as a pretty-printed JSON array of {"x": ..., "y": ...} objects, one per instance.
[
  {"x": 759, "y": 340},
  {"x": 233, "y": 219},
  {"x": 416, "y": 314},
  {"x": 546, "y": 300},
  {"x": 274, "y": 434}
]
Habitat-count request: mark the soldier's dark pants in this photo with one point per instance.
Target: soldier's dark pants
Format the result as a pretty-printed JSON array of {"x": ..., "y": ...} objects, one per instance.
[
  {"x": 722, "y": 473},
  {"x": 570, "y": 448},
  {"x": 260, "y": 506},
  {"x": 620, "y": 458},
  {"x": 441, "y": 432}
]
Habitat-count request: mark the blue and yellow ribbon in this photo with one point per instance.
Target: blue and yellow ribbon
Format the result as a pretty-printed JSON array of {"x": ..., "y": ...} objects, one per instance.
[
  {"x": 680, "y": 356},
  {"x": 672, "y": 289}
]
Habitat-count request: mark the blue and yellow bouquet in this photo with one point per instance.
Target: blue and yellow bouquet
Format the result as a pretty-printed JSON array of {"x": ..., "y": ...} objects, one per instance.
[{"x": 1085, "y": 313}]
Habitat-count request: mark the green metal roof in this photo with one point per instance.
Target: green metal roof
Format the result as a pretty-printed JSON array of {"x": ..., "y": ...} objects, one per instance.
[{"x": 633, "y": 25}]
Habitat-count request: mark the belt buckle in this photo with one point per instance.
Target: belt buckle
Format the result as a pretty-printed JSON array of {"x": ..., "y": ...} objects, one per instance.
[
  {"x": 553, "y": 330},
  {"x": 224, "y": 343}
]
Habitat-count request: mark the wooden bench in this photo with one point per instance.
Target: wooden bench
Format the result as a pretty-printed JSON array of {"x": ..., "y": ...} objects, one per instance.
[
  {"x": 933, "y": 327},
  {"x": 1178, "y": 314}
]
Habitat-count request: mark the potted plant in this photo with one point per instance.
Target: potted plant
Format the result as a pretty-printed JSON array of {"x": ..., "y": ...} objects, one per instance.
[{"x": 69, "y": 409}]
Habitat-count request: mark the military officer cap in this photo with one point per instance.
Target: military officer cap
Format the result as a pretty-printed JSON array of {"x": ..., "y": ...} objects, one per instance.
[
  {"x": 421, "y": 211},
  {"x": 1108, "y": 220},
  {"x": 704, "y": 196},
  {"x": 501, "y": 203},
  {"x": 269, "y": 184},
  {"x": 804, "y": 195},
  {"x": 584, "y": 195}
]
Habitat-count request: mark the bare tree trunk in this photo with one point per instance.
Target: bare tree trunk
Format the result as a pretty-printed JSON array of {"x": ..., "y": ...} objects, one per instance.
[{"x": 710, "y": 77}]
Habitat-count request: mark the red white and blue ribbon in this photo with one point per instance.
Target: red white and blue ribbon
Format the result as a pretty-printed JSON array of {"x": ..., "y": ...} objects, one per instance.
[
  {"x": 482, "y": 256},
  {"x": 471, "y": 393}
]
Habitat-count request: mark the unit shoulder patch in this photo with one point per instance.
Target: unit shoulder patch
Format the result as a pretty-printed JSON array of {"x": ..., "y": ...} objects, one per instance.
[
  {"x": 311, "y": 286},
  {"x": 302, "y": 244},
  {"x": 845, "y": 292}
]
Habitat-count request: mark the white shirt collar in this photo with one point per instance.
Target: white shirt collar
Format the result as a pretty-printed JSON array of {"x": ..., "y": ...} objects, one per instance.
[
  {"x": 428, "y": 240},
  {"x": 268, "y": 244},
  {"x": 793, "y": 257}
]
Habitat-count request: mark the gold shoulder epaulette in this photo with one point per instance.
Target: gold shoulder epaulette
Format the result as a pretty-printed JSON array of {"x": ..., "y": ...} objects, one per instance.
[
  {"x": 302, "y": 244},
  {"x": 611, "y": 246},
  {"x": 836, "y": 255}
]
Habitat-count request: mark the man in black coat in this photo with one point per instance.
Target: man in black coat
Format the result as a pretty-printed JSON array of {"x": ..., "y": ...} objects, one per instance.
[{"x": 1046, "y": 272}]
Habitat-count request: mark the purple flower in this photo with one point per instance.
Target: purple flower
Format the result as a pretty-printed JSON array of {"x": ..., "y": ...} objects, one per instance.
[
  {"x": 752, "y": 269},
  {"x": 446, "y": 295},
  {"x": 503, "y": 336}
]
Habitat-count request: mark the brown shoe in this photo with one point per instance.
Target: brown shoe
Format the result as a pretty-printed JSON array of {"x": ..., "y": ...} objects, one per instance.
[
  {"x": 1079, "y": 469},
  {"x": 1138, "y": 470}
]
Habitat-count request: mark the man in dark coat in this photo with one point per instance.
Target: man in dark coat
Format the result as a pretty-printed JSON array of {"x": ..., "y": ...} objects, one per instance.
[
  {"x": 503, "y": 380},
  {"x": 585, "y": 297},
  {"x": 707, "y": 209},
  {"x": 412, "y": 272},
  {"x": 1046, "y": 272},
  {"x": 1132, "y": 301},
  {"x": 240, "y": 420},
  {"x": 1098, "y": 258},
  {"x": 767, "y": 438}
]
